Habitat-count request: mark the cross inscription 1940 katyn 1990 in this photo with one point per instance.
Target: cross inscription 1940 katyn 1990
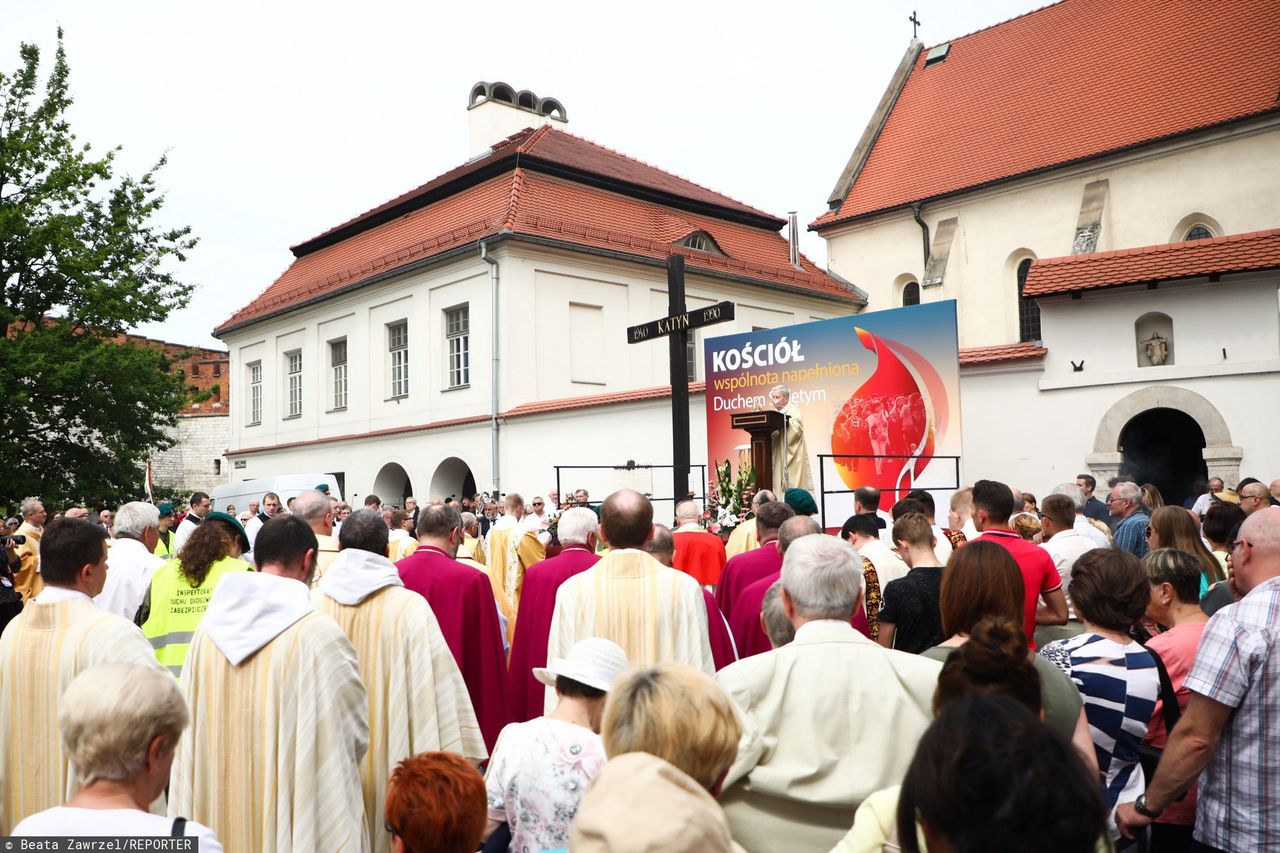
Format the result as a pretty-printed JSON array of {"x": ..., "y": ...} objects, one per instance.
[{"x": 676, "y": 328}]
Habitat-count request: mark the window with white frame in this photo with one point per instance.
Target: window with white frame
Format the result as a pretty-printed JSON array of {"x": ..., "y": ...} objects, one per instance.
[
  {"x": 398, "y": 348},
  {"x": 338, "y": 366},
  {"x": 255, "y": 393},
  {"x": 293, "y": 364},
  {"x": 457, "y": 329},
  {"x": 691, "y": 356}
]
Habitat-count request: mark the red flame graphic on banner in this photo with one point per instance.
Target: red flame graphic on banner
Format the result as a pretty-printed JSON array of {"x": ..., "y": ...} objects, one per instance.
[{"x": 891, "y": 421}]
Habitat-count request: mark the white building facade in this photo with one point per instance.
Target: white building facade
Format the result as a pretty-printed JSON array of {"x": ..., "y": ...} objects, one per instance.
[
  {"x": 471, "y": 336},
  {"x": 1050, "y": 140}
]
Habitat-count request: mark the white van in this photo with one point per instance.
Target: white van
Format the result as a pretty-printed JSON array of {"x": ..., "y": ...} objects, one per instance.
[{"x": 285, "y": 485}]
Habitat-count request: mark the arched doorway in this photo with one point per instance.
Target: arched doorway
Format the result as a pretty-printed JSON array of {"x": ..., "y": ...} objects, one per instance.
[
  {"x": 392, "y": 484},
  {"x": 1164, "y": 447},
  {"x": 453, "y": 478},
  {"x": 1111, "y": 446}
]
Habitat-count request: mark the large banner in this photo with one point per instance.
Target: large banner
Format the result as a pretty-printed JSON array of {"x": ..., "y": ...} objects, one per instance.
[{"x": 872, "y": 400}]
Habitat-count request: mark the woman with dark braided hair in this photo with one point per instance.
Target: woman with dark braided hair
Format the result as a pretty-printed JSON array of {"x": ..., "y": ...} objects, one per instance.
[
  {"x": 181, "y": 588},
  {"x": 994, "y": 664}
]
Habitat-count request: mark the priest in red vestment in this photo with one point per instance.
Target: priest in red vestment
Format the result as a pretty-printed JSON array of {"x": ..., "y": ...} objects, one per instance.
[
  {"x": 576, "y": 531},
  {"x": 462, "y": 599},
  {"x": 745, "y": 569},
  {"x": 744, "y": 620},
  {"x": 698, "y": 553},
  {"x": 662, "y": 547}
]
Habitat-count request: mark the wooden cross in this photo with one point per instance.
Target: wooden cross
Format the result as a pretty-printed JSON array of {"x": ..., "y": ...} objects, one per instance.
[
  {"x": 915, "y": 23},
  {"x": 676, "y": 328}
]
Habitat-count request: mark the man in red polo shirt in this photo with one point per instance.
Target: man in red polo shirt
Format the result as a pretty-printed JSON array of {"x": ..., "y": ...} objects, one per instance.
[
  {"x": 462, "y": 599},
  {"x": 992, "y": 506}
]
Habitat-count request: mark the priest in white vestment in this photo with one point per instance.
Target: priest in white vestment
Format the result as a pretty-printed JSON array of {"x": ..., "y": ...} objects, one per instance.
[
  {"x": 656, "y": 614},
  {"x": 279, "y": 713},
  {"x": 58, "y": 635},
  {"x": 790, "y": 454},
  {"x": 418, "y": 701}
]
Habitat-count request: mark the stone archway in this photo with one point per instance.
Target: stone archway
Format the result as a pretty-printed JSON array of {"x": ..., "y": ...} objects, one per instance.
[
  {"x": 1221, "y": 457},
  {"x": 392, "y": 485},
  {"x": 452, "y": 478}
]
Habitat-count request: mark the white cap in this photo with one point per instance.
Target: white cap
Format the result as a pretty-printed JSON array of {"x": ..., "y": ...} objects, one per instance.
[{"x": 595, "y": 662}]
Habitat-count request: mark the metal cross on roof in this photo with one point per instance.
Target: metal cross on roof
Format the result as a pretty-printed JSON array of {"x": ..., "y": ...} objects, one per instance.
[{"x": 915, "y": 23}]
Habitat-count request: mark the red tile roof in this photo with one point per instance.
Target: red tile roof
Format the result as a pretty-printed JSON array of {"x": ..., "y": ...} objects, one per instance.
[
  {"x": 1259, "y": 250},
  {"x": 1066, "y": 83},
  {"x": 554, "y": 148},
  {"x": 542, "y": 407},
  {"x": 974, "y": 356},
  {"x": 526, "y": 202}
]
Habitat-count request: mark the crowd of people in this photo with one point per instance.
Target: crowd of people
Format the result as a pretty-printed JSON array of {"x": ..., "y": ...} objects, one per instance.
[{"x": 1064, "y": 673}]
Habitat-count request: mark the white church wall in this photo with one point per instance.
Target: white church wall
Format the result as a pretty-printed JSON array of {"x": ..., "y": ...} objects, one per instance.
[
  {"x": 1227, "y": 174},
  {"x": 1238, "y": 315}
]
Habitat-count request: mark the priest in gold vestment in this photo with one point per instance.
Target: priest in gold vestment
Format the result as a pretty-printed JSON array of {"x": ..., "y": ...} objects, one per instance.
[
  {"x": 418, "y": 701},
  {"x": 279, "y": 713},
  {"x": 59, "y": 634},
  {"x": 510, "y": 549},
  {"x": 654, "y": 613},
  {"x": 790, "y": 455}
]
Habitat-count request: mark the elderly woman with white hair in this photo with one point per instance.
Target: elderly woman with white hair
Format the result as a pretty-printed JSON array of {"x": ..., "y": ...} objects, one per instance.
[{"x": 120, "y": 726}]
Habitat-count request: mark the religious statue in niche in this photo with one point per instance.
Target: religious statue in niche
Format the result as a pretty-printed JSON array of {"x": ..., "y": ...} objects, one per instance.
[{"x": 1157, "y": 349}]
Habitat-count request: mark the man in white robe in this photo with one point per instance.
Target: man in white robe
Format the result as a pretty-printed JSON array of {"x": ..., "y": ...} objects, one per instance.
[
  {"x": 58, "y": 635},
  {"x": 654, "y": 613},
  {"x": 131, "y": 559},
  {"x": 279, "y": 714},
  {"x": 790, "y": 454},
  {"x": 418, "y": 701}
]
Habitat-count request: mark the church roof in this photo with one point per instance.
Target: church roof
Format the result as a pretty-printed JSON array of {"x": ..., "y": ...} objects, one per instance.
[
  {"x": 974, "y": 356},
  {"x": 551, "y": 187},
  {"x": 1259, "y": 250},
  {"x": 1066, "y": 83}
]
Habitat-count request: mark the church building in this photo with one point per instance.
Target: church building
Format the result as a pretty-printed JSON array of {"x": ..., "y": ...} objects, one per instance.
[
  {"x": 1097, "y": 185},
  {"x": 471, "y": 334}
]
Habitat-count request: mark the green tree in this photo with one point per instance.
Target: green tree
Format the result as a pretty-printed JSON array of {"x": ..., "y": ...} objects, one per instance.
[{"x": 81, "y": 262}]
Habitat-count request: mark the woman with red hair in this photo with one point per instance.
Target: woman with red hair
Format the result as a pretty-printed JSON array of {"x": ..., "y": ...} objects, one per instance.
[{"x": 435, "y": 802}]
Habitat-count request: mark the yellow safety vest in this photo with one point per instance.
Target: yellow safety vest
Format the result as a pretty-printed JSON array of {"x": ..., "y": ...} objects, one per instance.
[
  {"x": 162, "y": 544},
  {"x": 177, "y": 608}
]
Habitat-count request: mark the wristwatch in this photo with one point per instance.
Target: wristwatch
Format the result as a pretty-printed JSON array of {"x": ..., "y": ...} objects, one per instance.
[{"x": 1140, "y": 806}]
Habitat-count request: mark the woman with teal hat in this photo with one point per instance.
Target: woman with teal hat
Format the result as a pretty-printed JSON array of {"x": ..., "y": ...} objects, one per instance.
[
  {"x": 801, "y": 501},
  {"x": 181, "y": 588}
]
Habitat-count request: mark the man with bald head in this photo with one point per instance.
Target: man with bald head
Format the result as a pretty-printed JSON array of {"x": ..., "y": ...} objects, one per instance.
[
  {"x": 656, "y": 614},
  {"x": 744, "y": 619},
  {"x": 1227, "y": 734},
  {"x": 744, "y": 538},
  {"x": 315, "y": 509},
  {"x": 698, "y": 553},
  {"x": 1253, "y": 497}
]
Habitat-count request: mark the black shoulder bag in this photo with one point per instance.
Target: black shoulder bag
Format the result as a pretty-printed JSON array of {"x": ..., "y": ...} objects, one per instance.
[{"x": 1148, "y": 755}]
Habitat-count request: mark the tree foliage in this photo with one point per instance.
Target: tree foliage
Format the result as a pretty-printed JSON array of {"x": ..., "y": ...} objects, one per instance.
[{"x": 81, "y": 261}]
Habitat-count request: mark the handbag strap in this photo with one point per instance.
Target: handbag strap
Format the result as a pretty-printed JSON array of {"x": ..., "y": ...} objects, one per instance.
[
  {"x": 1168, "y": 696},
  {"x": 179, "y": 827}
]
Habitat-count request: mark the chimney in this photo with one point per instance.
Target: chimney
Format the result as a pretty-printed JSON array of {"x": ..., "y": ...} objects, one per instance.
[
  {"x": 496, "y": 111},
  {"x": 793, "y": 238}
]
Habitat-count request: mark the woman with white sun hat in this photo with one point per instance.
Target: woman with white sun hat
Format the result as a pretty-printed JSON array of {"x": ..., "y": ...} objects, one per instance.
[{"x": 540, "y": 769}]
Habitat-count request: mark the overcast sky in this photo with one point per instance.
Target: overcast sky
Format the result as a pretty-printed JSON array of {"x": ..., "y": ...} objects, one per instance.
[{"x": 282, "y": 119}]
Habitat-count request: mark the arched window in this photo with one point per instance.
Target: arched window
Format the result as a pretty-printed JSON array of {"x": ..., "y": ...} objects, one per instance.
[
  {"x": 911, "y": 293},
  {"x": 1198, "y": 232},
  {"x": 700, "y": 241},
  {"x": 1028, "y": 309}
]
